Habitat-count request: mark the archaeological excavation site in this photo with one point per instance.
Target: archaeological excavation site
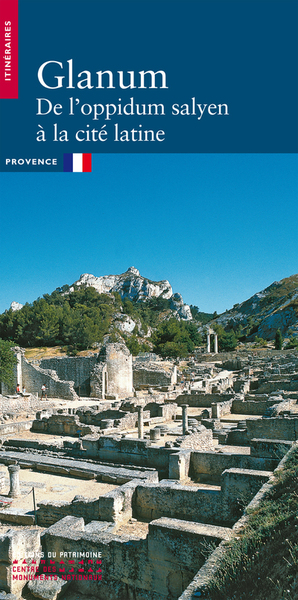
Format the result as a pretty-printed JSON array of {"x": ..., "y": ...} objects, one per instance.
[{"x": 128, "y": 479}]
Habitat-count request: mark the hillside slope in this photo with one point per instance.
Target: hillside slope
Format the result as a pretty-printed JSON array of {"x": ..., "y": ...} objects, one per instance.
[
  {"x": 275, "y": 307},
  {"x": 262, "y": 562}
]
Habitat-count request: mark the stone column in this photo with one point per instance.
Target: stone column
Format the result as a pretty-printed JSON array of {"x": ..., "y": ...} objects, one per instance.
[
  {"x": 14, "y": 491},
  {"x": 208, "y": 342},
  {"x": 215, "y": 410},
  {"x": 155, "y": 434},
  {"x": 184, "y": 418},
  {"x": 215, "y": 343},
  {"x": 140, "y": 422}
]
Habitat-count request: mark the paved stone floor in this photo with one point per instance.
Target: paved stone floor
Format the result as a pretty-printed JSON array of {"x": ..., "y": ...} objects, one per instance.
[{"x": 52, "y": 487}]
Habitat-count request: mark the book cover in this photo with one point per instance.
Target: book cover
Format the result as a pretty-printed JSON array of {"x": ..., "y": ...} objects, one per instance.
[{"x": 155, "y": 133}]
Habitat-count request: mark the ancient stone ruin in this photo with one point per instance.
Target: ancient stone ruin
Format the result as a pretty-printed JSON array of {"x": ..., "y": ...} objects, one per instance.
[{"x": 128, "y": 478}]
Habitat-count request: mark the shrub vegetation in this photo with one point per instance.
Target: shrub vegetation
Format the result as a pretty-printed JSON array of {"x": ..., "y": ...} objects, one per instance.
[{"x": 262, "y": 564}]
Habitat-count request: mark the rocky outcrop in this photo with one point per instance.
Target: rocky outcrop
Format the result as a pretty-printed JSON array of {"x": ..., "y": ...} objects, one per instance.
[
  {"x": 275, "y": 307},
  {"x": 133, "y": 286},
  {"x": 16, "y": 306},
  {"x": 129, "y": 285}
]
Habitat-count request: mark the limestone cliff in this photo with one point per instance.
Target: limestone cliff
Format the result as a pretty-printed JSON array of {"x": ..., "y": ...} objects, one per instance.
[{"x": 133, "y": 286}]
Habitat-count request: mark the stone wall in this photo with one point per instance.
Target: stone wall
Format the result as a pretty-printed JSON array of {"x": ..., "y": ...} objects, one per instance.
[
  {"x": 166, "y": 411},
  {"x": 200, "y": 585},
  {"x": 19, "y": 404},
  {"x": 34, "y": 378},
  {"x": 191, "y": 503},
  {"x": 251, "y": 407},
  {"x": 61, "y": 425},
  {"x": 119, "y": 368},
  {"x": 107, "y": 374},
  {"x": 127, "y": 451},
  {"x": 114, "y": 507},
  {"x": 98, "y": 381},
  {"x": 202, "y": 400},
  {"x": 198, "y": 440},
  {"x": 76, "y": 369},
  {"x": 238, "y": 487},
  {"x": 219, "y": 409},
  {"x": 15, "y": 427},
  {"x": 168, "y": 499},
  {"x": 118, "y": 418},
  {"x": 50, "y": 512},
  {"x": 267, "y": 387},
  {"x": 275, "y": 428},
  {"x": 156, "y": 568},
  {"x": 208, "y": 466},
  {"x": 153, "y": 374},
  {"x": 176, "y": 549},
  {"x": 269, "y": 448}
]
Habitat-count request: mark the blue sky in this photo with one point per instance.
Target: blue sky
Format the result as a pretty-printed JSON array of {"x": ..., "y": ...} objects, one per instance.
[{"x": 219, "y": 227}]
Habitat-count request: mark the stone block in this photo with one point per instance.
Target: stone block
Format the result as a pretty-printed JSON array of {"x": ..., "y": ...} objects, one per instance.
[
  {"x": 177, "y": 550},
  {"x": 183, "y": 541},
  {"x": 67, "y": 526},
  {"x": 48, "y": 589},
  {"x": 14, "y": 546},
  {"x": 81, "y": 474},
  {"x": 179, "y": 465}
]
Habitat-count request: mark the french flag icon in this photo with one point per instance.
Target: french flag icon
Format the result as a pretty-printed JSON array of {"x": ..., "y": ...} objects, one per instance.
[{"x": 77, "y": 163}]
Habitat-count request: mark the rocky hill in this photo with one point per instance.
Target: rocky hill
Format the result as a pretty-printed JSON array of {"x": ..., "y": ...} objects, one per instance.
[
  {"x": 133, "y": 286},
  {"x": 128, "y": 305},
  {"x": 275, "y": 307}
]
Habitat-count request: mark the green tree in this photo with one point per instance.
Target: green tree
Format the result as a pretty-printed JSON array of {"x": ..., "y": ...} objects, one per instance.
[
  {"x": 228, "y": 341},
  {"x": 278, "y": 340},
  {"x": 172, "y": 338},
  {"x": 133, "y": 345},
  {"x": 292, "y": 343},
  {"x": 7, "y": 362}
]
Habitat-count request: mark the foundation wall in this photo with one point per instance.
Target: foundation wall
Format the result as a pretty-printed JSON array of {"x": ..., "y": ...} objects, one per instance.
[
  {"x": 208, "y": 466},
  {"x": 15, "y": 427},
  {"x": 269, "y": 448},
  {"x": 168, "y": 499},
  {"x": 238, "y": 487},
  {"x": 156, "y": 568},
  {"x": 250, "y": 407},
  {"x": 114, "y": 507},
  {"x": 202, "y": 400},
  {"x": 128, "y": 451},
  {"x": 50, "y": 512},
  {"x": 276, "y": 428},
  {"x": 144, "y": 377},
  {"x": 18, "y": 404},
  {"x": 266, "y": 387},
  {"x": 61, "y": 425}
]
